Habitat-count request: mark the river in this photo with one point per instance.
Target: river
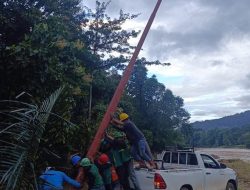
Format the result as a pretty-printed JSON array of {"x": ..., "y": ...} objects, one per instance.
[{"x": 228, "y": 153}]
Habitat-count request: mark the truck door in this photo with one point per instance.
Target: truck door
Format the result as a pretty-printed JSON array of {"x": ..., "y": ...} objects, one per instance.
[{"x": 214, "y": 180}]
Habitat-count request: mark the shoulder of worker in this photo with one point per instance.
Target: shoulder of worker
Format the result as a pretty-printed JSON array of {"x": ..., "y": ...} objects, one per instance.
[
  {"x": 129, "y": 123},
  {"x": 50, "y": 173},
  {"x": 93, "y": 168},
  {"x": 56, "y": 172}
]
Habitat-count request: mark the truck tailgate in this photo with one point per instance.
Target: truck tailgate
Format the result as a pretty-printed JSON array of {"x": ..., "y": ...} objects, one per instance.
[
  {"x": 174, "y": 179},
  {"x": 146, "y": 179}
]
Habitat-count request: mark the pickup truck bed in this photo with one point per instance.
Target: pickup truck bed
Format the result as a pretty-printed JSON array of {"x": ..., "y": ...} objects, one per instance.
[{"x": 204, "y": 173}]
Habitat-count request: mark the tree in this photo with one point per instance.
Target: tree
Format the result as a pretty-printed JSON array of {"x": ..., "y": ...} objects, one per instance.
[
  {"x": 247, "y": 139},
  {"x": 157, "y": 109},
  {"x": 40, "y": 41},
  {"x": 42, "y": 48},
  {"x": 221, "y": 137},
  {"x": 48, "y": 44},
  {"x": 105, "y": 37},
  {"x": 21, "y": 131}
]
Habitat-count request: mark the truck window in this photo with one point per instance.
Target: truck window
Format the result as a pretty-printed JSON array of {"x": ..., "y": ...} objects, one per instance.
[
  {"x": 209, "y": 162},
  {"x": 175, "y": 157},
  {"x": 192, "y": 160},
  {"x": 166, "y": 157},
  {"x": 182, "y": 158}
]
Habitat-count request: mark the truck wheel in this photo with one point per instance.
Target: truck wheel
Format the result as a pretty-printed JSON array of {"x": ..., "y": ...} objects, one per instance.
[
  {"x": 184, "y": 188},
  {"x": 230, "y": 186}
]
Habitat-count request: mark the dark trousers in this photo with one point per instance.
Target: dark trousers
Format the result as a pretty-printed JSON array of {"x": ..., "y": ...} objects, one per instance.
[
  {"x": 123, "y": 174},
  {"x": 108, "y": 187}
]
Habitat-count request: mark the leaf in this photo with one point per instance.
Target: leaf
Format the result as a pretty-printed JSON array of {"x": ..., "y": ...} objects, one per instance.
[{"x": 21, "y": 139}]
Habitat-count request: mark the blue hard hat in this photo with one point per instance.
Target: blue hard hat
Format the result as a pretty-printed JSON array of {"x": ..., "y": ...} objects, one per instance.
[{"x": 75, "y": 159}]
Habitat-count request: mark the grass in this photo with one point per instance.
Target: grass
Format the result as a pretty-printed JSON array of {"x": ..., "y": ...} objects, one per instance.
[{"x": 243, "y": 172}]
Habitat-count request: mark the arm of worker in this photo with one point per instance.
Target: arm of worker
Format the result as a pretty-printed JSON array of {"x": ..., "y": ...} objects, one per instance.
[
  {"x": 117, "y": 124},
  {"x": 115, "y": 121},
  {"x": 71, "y": 181},
  {"x": 108, "y": 137}
]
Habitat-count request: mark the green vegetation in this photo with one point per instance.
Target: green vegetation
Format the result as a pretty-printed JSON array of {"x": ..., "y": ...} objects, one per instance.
[
  {"x": 23, "y": 127},
  {"x": 224, "y": 137},
  {"x": 156, "y": 109},
  {"x": 45, "y": 45},
  {"x": 233, "y": 121}
]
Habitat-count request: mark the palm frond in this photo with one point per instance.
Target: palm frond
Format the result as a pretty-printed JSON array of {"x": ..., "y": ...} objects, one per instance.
[{"x": 20, "y": 132}]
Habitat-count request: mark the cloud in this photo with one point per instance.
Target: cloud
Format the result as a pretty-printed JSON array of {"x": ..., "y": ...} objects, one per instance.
[
  {"x": 213, "y": 83},
  {"x": 246, "y": 81},
  {"x": 199, "y": 27},
  {"x": 243, "y": 101},
  {"x": 207, "y": 44}
]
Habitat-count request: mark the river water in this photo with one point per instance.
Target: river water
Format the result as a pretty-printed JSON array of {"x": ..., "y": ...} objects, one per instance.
[{"x": 228, "y": 153}]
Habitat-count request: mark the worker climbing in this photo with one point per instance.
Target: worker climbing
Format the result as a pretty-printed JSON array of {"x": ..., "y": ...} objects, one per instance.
[{"x": 139, "y": 147}]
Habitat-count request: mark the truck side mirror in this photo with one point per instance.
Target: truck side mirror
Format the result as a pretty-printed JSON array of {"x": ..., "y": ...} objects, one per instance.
[{"x": 223, "y": 166}]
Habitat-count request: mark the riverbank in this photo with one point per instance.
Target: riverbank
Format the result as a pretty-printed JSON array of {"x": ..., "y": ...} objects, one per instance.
[{"x": 228, "y": 153}]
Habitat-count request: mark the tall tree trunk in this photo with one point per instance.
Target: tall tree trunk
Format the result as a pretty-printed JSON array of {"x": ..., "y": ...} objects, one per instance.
[{"x": 90, "y": 97}]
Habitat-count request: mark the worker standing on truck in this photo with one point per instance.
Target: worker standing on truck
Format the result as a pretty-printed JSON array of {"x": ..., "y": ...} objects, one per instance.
[
  {"x": 95, "y": 181},
  {"x": 127, "y": 160},
  {"x": 139, "y": 146}
]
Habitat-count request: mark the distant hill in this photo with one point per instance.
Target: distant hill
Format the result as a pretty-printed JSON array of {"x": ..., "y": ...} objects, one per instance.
[{"x": 237, "y": 120}]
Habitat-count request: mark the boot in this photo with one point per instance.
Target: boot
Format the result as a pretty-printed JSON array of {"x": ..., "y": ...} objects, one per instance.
[
  {"x": 153, "y": 165},
  {"x": 141, "y": 165}
]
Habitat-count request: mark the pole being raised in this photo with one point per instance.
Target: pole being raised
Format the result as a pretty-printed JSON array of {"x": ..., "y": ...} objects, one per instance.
[
  {"x": 119, "y": 90},
  {"x": 118, "y": 93}
]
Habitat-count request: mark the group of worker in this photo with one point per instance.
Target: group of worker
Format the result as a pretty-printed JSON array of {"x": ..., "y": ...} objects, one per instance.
[{"x": 113, "y": 169}]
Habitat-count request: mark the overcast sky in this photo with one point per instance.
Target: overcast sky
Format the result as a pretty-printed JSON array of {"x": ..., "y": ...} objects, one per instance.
[{"x": 208, "y": 44}]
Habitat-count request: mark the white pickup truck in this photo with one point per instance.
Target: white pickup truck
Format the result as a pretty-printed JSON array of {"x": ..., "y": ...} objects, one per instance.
[{"x": 187, "y": 170}]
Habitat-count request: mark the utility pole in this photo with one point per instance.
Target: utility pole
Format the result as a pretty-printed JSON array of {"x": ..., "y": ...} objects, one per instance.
[
  {"x": 118, "y": 93},
  {"x": 119, "y": 90}
]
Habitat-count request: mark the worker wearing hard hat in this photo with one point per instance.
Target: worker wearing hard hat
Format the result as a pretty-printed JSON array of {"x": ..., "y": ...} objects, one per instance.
[
  {"x": 139, "y": 146},
  {"x": 95, "y": 181},
  {"x": 104, "y": 166},
  {"x": 75, "y": 161}
]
